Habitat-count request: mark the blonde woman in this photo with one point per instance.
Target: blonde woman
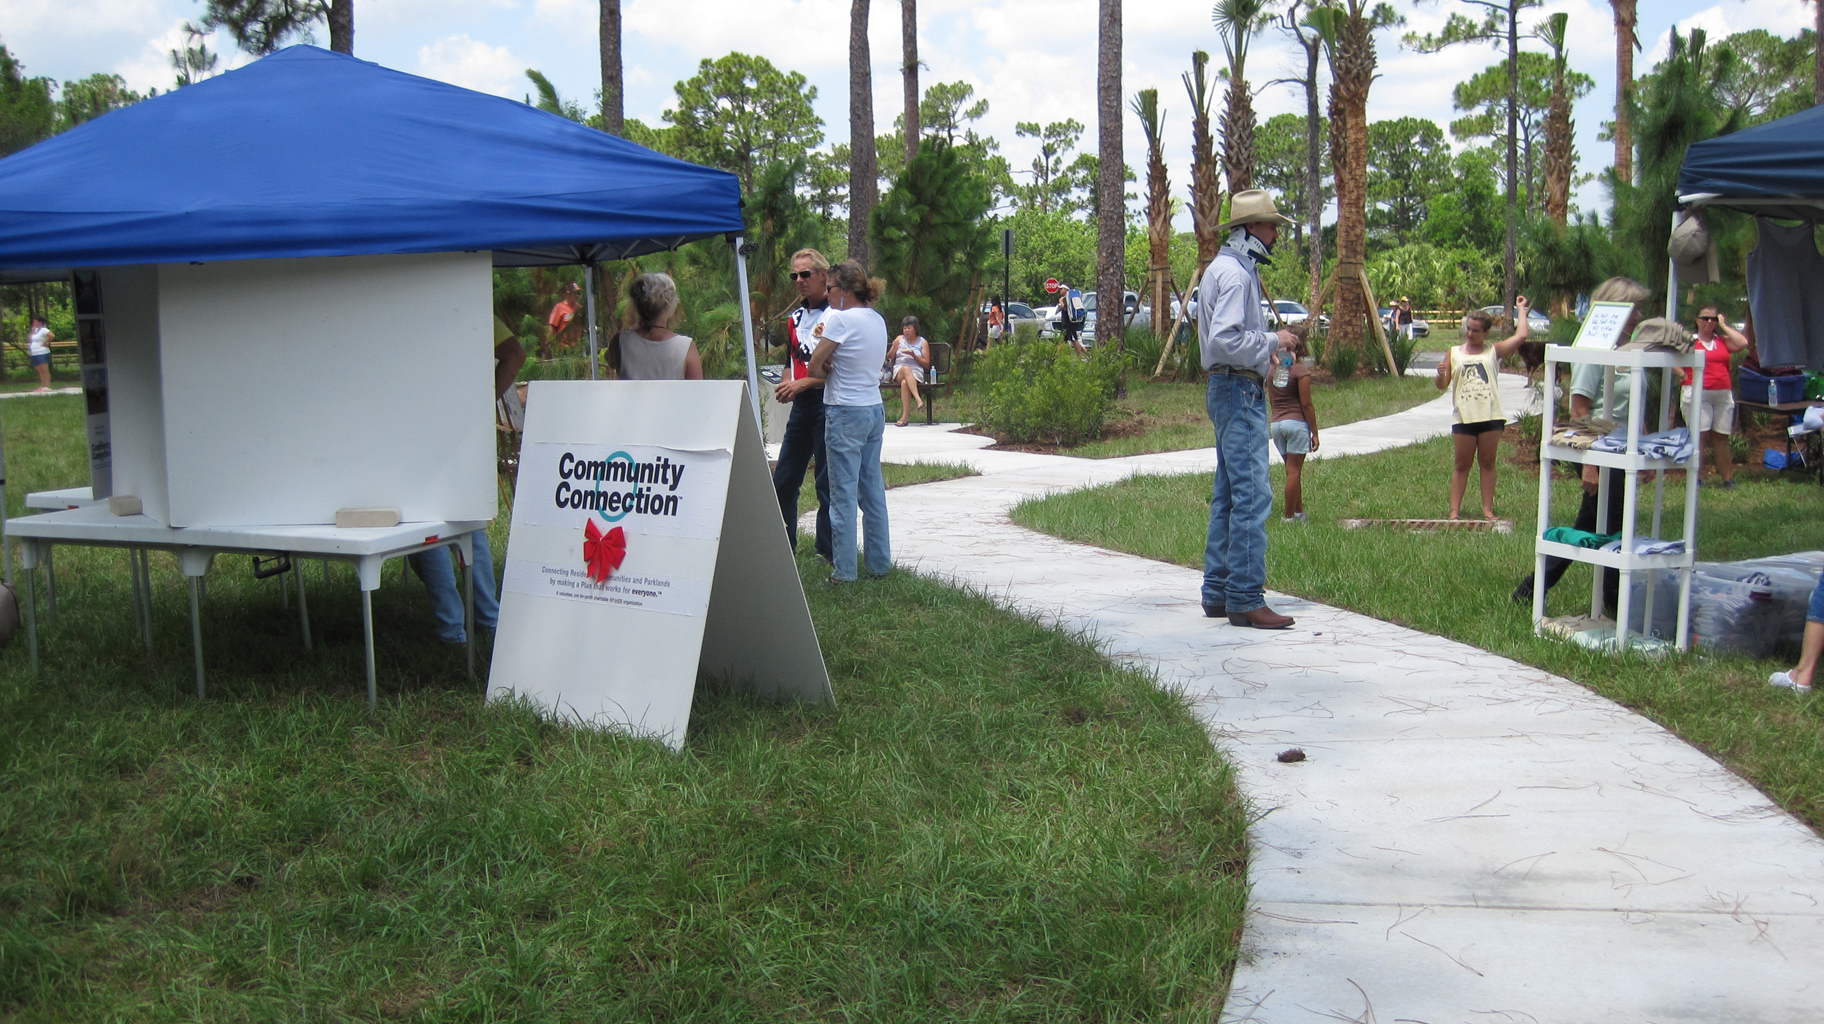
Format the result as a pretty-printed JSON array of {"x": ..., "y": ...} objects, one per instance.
[{"x": 654, "y": 351}]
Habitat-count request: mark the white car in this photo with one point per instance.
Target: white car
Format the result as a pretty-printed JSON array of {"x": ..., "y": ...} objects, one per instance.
[{"x": 1295, "y": 313}]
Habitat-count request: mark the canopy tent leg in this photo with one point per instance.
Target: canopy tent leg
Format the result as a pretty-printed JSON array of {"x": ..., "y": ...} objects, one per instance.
[
  {"x": 6, "y": 539},
  {"x": 742, "y": 249},
  {"x": 589, "y": 304},
  {"x": 1672, "y": 280}
]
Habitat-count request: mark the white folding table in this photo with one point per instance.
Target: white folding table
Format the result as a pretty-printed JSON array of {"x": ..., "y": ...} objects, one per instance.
[
  {"x": 196, "y": 547},
  {"x": 67, "y": 498}
]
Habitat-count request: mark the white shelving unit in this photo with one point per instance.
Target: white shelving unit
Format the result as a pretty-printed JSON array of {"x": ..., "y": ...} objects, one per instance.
[{"x": 1632, "y": 464}]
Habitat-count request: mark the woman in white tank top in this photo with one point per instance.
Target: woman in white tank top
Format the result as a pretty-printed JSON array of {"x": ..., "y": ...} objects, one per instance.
[{"x": 654, "y": 351}]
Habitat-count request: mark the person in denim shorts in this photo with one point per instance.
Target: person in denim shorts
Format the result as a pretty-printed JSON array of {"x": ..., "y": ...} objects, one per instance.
[
  {"x": 1799, "y": 677},
  {"x": 1293, "y": 426}
]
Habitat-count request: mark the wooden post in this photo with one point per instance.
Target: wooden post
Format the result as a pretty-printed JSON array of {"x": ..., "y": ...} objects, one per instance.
[
  {"x": 1177, "y": 321},
  {"x": 1375, "y": 318}
]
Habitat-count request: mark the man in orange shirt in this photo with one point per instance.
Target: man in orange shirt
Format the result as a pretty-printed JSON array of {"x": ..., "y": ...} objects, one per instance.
[{"x": 564, "y": 321}]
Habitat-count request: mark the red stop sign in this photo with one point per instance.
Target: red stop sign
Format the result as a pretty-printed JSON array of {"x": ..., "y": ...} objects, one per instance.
[{"x": 1051, "y": 284}]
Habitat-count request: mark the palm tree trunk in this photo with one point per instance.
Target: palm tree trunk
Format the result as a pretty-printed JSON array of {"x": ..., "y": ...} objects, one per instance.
[
  {"x": 342, "y": 26},
  {"x": 1351, "y": 73},
  {"x": 863, "y": 183},
  {"x": 1817, "y": 81},
  {"x": 1238, "y": 134},
  {"x": 1206, "y": 183},
  {"x": 613, "y": 106},
  {"x": 1111, "y": 188},
  {"x": 1625, "y": 42},
  {"x": 1558, "y": 152},
  {"x": 908, "y": 34}
]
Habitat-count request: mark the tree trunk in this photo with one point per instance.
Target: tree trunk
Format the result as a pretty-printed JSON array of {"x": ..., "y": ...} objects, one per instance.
[
  {"x": 908, "y": 33},
  {"x": 1206, "y": 183},
  {"x": 1314, "y": 175},
  {"x": 1238, "y": 134},
  {"x": 863, "y": 175},
  {"x": 613, "y": 105},
  {"x": 342, "y": 26},
  {"x": 1352, "y": 72},
  {"x": 1558, "y": 153},
  {"x": 1508, "y": 286},
  {"x": 1111, "y": 188},
  {"x": 1625, "y": 41},
  {"x": 1158, "y": 213},
  {"x": 1817, "y": 80}
]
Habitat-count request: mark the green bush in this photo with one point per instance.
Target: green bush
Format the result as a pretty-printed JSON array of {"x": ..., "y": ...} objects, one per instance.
[
  {"x": 1043, "y": 392},
  {"x": 1343, "y": 361}
]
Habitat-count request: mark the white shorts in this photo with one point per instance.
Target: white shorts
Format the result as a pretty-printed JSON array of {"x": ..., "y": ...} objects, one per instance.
[{"x": 1717, "y": 412}]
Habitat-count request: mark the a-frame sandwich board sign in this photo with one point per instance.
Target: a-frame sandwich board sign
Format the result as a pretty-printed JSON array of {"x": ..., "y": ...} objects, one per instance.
[{"x": 646, "y": 545}]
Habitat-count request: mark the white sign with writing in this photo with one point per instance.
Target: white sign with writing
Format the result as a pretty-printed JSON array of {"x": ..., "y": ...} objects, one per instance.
[
  {"x": 647, "y": 547},
  {"x": 1603, "y": 327}
]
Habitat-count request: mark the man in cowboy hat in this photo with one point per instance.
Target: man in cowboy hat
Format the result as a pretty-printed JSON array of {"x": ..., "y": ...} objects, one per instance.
[{"x": 1238, "y": 352}]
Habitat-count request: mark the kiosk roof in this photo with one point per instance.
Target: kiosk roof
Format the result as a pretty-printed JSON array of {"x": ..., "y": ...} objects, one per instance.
[
  {"x": 312, "y": 153},
  {"x": 1775, "y": 168}
]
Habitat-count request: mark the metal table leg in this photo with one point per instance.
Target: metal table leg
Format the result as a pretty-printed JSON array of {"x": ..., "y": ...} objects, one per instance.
[
  {"x": 367, "y": 629},
  {"x": 196, "y": 631},
  {"x": 139, "y": 596},
  {"x": 145, "y": 575},
  {"x": 303, "y": 605},
  {"x": 31, "y": 602}
]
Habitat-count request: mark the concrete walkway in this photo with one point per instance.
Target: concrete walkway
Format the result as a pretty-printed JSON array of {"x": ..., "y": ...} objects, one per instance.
[{"x": 1471, "y": 839}]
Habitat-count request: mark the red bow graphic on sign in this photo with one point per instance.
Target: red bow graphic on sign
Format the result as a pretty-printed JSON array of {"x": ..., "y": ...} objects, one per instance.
[{"x": 603, "y": 554}]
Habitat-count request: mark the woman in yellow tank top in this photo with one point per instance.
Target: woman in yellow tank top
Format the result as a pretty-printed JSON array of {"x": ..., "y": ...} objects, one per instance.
[{"x": 1471, "y": 371}]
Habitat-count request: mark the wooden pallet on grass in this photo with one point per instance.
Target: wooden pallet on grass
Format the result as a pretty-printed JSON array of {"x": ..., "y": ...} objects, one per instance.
[{"x": 1432, "y": 525}]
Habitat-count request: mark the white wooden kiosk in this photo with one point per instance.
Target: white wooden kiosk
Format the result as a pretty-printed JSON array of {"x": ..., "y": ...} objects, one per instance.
[{"x": 286, "y": 305}]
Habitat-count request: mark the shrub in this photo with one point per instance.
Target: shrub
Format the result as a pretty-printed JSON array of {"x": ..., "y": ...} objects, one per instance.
[
  {"x": 1042, "y": 392},
  {"x": 1343, "y": 361}
]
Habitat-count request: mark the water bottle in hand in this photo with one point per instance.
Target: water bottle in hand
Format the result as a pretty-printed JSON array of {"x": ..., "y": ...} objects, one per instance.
[{"x": 1282, "y": 369}]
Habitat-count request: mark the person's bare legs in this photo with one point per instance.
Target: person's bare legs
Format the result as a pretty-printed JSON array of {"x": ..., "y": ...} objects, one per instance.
[
  {"x": 44, "y": 375},
  {"x": 908, "y": 393},
  {"x": 1459, "y": 474},
  {"x": 1809, "y": 650},
  {"x": 1487, "y": 443},
  {"x": 1295, "y": 490},
  {"x": 1725, "y": 459}
]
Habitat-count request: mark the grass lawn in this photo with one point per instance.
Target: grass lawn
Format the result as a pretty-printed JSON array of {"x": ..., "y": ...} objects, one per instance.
[
  {"x": 896, "y": 475},
  {"x": 1166, "y": 417},
  {"x": 1457, "y": 585},
  {"x": 994, "y": 824}
]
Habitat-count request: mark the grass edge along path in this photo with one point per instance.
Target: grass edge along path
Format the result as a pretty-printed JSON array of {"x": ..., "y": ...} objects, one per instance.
[
  {"x": 1457, "y": 586},
  {"x": 995, "y": 823}
]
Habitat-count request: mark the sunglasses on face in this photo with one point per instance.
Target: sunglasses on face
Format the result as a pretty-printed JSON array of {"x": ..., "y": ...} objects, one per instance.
[
  {"x": 802, "y": 275},
  {"x": 1701, "y": 319}
]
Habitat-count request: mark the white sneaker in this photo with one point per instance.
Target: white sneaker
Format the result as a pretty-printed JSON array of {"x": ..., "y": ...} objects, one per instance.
[{"x": 1784, "y": 679}]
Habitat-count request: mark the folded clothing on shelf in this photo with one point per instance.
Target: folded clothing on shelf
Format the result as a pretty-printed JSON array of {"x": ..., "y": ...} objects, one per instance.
[
  {"x": 1650, "y": 546},
  {"x": 1579, "y": 538},
  {"x": 1666, "y": 444},
  {"x": 1583, "y": 431}
]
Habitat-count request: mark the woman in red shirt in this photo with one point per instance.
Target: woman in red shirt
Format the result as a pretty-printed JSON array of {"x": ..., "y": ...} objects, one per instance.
[{"x": 1716, "y": 416}]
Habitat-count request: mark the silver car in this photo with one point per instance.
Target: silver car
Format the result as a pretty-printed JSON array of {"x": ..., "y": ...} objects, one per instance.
[{"x": 1536, "y": 321}]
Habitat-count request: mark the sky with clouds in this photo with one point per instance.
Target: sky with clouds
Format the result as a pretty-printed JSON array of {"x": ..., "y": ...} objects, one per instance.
[{"x": 1033, "y": 60}]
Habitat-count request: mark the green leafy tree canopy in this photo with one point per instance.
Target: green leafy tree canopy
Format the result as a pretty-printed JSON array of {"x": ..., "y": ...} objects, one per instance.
[{"x": 740, "y": 113}]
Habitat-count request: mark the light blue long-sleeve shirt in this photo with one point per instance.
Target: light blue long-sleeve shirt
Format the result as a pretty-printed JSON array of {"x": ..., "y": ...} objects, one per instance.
[{"x": 1231, "y": 326}]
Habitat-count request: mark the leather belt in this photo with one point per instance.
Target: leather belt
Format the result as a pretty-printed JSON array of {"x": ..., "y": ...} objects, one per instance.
[{"x": 1237, "y": 371}]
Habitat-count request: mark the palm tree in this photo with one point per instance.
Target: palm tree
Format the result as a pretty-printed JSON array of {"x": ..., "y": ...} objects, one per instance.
[
  {"x": 613, "y": 106},
  {"x": 1313, "y": 44},
  {"x": 1158, "y": 205},
  {"x": 1348, "y": 32},
  {"x": 1111, "y": 188},
  {"x": 1236, "y": 21},
  {"x": 1558, "y": 153},
  {"x": 1817, "y": 75},
  {"x": 908, "y": 36},
  {"x": 1206, "y": 187},
  {"x": 863, "y": 183},
  {"x": 1626, "y": 42}
]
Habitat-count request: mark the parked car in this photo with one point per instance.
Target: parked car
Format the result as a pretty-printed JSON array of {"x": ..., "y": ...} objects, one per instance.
[
  {"x": 1537, "y": 321},
  {"x": 1142, "y": 314},
  {"x": 1295, "y": 313}
]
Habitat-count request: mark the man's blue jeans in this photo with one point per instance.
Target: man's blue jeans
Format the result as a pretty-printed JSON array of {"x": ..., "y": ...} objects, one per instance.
[
  {"x": 440, "y": 584},
  {"x": 1235, "y": 558},
  {"x": 803, "y": 445},
  {"x": 852, "y": 436}
]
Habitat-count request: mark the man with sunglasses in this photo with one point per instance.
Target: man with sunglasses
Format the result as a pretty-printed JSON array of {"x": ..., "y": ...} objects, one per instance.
[
  {"x": 1716, "y": 416},
  {"x": 803, "y": 444}
]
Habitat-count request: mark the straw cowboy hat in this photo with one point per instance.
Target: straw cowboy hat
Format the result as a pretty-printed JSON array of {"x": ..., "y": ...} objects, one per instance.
[{"x": 1252, "y": 207}]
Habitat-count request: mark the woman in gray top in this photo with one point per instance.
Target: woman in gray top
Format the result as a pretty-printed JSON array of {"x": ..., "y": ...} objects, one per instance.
[{"x": 654, "y": 351}]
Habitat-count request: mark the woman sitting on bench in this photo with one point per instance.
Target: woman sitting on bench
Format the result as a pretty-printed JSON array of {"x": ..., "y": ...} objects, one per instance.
[{"x": 911, "y": 355}]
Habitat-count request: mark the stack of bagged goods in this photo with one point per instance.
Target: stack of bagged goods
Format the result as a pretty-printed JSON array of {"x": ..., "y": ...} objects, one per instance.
[
  {"x": 1672, "y": 444},
  {"x": 1754, "y": 607}
]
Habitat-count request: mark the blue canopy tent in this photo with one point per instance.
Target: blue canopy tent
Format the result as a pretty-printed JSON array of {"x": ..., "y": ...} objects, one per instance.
[
  {"x": 312, "y": 153},
  {"x": 1771, "y": 170}
]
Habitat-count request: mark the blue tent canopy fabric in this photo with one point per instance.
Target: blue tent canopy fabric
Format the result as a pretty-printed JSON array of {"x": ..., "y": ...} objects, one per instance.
[
  {"x": 1760, "y": 167},
  {"x": 312, "y": 153}
]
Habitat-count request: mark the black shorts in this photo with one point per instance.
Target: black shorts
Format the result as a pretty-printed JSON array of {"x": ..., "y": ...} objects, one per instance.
[{"x": 1477, "y": 429}]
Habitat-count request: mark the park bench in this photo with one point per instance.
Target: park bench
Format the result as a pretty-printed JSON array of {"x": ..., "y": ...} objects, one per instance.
[
  {"x": 59, "y": 350},
  {"x": 938, "y": 375}
]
